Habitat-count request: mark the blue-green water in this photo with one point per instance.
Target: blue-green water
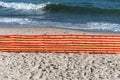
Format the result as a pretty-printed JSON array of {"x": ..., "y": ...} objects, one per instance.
[{"x": 98, "y": 15}]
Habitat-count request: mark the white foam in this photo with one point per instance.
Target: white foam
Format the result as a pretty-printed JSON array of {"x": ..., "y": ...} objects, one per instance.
[
  {"x": 23, "y": 6},
  {"x": 99, "y": 26},
  {"x": 103, "y": 26},
  {"x": 20, "y": 21}
]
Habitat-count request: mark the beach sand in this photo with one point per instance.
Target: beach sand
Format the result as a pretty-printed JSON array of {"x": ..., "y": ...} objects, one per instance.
[{"x": 57, "y": 66}]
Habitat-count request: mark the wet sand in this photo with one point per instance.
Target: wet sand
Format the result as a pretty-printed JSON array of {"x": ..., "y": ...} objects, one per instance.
[{"x": 49, "y": 30}]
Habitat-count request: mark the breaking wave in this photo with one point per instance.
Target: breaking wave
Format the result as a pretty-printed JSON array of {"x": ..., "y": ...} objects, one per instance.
[
  {"x": 22, "y": 6},
  {"x": 50, "y": 7},
  {"x": 80, "y": 9}
]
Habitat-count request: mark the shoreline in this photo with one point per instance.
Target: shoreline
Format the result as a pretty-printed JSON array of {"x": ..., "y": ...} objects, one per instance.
[{"x": 50, "y": 30}]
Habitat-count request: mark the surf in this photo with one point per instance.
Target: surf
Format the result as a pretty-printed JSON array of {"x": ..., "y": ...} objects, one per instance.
[
  {"x": 22, "y": 6},
  {"x": 56, "y": 7},
  {"x": 80, "y": 9}
]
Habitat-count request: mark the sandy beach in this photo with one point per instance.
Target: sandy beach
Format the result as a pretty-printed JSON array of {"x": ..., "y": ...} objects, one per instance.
[{"x": 54, "y": 66}]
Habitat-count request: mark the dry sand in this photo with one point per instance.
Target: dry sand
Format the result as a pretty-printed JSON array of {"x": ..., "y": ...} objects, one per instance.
[{"x": 53, "y": 66}]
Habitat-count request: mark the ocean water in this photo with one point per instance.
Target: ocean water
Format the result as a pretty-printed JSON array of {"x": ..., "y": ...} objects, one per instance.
[{"x": 93, "y": 15}]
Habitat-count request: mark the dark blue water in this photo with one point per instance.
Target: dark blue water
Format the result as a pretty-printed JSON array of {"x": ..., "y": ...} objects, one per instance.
[{"x": 95, "y": 15}]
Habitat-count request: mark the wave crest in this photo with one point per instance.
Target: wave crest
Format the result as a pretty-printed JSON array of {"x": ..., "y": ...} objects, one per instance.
[
  {"x": 50, "y": 7},
  {"x": 23, "y": 6},
  {"x": 80, "y": 9}
]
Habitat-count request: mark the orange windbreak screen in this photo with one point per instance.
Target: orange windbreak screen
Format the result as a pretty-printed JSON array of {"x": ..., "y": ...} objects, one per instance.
[{"x": 60, "y": 43}]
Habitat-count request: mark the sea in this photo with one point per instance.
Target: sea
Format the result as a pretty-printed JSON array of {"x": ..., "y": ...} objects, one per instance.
[{"x": 91, "y": 15}]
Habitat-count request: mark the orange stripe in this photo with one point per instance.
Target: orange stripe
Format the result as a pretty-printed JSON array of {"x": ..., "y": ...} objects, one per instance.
[{"x": 60, "y": 43}]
